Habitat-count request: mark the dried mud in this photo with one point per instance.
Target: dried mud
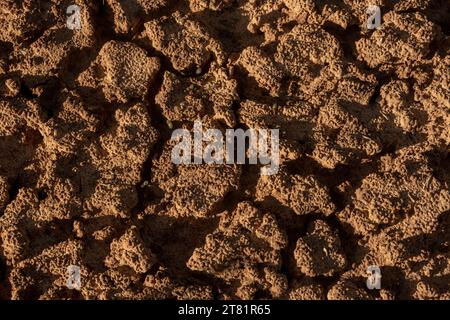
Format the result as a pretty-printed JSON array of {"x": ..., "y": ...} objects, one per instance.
[{"x": 86, "y": 176}]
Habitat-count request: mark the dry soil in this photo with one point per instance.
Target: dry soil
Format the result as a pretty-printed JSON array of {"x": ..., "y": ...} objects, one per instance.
[{"x": 86, "y": 176}]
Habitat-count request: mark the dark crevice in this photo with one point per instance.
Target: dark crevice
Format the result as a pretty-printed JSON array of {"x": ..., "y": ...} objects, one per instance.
[
  {"x": 434, "y": 48},
  {"x": 42, "y": 194},
  {"x": 295, "y": 227},
  {"x": 32, "y": 38},
  {"x": 5, "y": 287},
  {"x": 165, "y": 11},
  {"x": 50, "y": 99},
  {"x": 439, "y": 161},
  {"x": 349, "y": 241},
  {"x": 346, "y": 37},
  {"x": 164, "y": 60},
  {"x": 13, "y": 189},
  {"x": 201, "y": 278},
  {"x": 146, "y": 193},
  {"x": 439, "y": 13},
  {"x": 376, "y": 94},
  {"x": 75, "y": 63},
  {"x": 382, "y": 79}
]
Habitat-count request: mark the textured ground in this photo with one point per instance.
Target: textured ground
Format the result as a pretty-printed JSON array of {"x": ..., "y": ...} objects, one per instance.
[{"x": 86, "y": 176}]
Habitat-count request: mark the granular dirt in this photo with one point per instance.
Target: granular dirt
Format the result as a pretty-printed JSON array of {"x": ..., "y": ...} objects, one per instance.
[{"x": 86, "y": 176}]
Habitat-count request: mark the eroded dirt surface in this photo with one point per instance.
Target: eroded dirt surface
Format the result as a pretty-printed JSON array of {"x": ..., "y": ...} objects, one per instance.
[{"x": 86, "y": 176}]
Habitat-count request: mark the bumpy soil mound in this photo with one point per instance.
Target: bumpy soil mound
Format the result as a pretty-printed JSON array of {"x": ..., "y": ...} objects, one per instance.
[{"x": 86, "y": 176}]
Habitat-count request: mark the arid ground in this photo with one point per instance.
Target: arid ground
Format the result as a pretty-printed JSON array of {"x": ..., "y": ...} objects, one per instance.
[{"x": 86, "y": 177}]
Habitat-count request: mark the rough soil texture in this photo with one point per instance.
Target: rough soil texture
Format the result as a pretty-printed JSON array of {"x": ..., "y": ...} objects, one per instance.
[{"x": 86, "y": 176}]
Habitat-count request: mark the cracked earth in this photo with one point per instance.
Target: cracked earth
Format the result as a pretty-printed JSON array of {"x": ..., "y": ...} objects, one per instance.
[{"x": 86, "y": 176}]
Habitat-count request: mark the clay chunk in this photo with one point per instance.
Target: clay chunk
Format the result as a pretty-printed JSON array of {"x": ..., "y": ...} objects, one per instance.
[
  {"x": 403, "y": 38},
  {"x": 232, "y": 254},
  {"x": 122, "y": 70},
  {"x": 320, "y": 251},
  {"x": 185, "y": 42},
  {"x": 303, "y": 194}
]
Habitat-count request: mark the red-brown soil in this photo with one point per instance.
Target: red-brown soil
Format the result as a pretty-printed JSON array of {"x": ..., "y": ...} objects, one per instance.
[{"x": 86, "y": 176}]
